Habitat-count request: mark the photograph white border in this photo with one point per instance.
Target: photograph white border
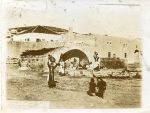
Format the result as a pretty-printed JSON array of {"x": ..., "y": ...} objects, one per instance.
[{"x": 38, "y": 107}]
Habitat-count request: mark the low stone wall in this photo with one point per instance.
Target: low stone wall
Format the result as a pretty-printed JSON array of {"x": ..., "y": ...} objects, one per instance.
[{"x": 103, "y": 73}]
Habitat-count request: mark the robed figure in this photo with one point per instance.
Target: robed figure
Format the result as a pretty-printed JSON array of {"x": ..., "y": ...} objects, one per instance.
[
  {"x": 96, "y": 57},
  {"x": 51, "y": 65},
  {"x": 101, "y": 86},
  {"x": 92, "y": 88}
]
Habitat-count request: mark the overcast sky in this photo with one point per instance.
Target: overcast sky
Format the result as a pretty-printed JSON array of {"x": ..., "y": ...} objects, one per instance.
[{"x": 84, "y": 17}]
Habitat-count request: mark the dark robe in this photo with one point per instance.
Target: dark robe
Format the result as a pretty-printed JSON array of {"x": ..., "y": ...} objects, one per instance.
[
  {"x": 51, "y": 80},
  {"x": 92, "y": 87},
  {"x": 101, "y": 85}
]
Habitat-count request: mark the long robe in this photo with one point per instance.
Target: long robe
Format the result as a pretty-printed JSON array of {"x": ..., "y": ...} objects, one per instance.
[{"x": 51, "y": 66}]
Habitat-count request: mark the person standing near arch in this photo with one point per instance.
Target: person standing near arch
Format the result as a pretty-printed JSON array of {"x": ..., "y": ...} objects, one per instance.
[
  {"x": 51, "y": 65},
  {"x": 96, "y": 57},
  {"x": 61, "y": 67}
]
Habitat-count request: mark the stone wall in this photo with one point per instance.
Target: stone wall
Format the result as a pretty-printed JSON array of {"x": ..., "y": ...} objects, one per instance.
[{"x": 87, "y": 43}]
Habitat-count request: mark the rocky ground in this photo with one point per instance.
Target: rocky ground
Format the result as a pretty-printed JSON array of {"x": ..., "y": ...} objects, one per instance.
[{"x": 70, "y": 92}]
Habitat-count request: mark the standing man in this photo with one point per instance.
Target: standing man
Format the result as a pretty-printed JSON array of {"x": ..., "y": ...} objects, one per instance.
[
  {"x": 61, "y": 67},
  {"x": 51, "y": 65},
  {"x": 101, "y": 85},
  {"x": 75, "y": 65},
  {"x": 96, "y": 64},
  {"x": 96, "y": 57}
]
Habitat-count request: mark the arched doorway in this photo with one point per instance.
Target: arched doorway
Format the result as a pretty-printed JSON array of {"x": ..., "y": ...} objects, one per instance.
[{"x": 76, "y": 53}]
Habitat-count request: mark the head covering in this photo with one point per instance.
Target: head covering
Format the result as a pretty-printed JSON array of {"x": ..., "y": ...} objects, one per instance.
[{"x": 51, "y": 58}]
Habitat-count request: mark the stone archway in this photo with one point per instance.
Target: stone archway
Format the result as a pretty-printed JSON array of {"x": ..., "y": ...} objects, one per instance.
[
  {"x": 72, "y": 52},
  {"x": 75, "y": 53},
  {"x": 83, "y": 58}
]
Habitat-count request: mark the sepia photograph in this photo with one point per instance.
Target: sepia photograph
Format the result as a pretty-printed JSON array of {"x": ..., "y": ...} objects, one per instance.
[{"x": 74, "y": 54}]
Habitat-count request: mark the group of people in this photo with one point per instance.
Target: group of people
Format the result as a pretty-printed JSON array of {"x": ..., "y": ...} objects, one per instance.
[{"x": 97, "y": 89}]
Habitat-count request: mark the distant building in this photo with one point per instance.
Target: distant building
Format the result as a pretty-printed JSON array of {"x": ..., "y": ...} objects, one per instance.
[{"x": 73, "y": 44}]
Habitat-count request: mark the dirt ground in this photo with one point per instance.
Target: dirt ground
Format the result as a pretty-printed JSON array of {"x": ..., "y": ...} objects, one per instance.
[{"x": 70, "y": 92}]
